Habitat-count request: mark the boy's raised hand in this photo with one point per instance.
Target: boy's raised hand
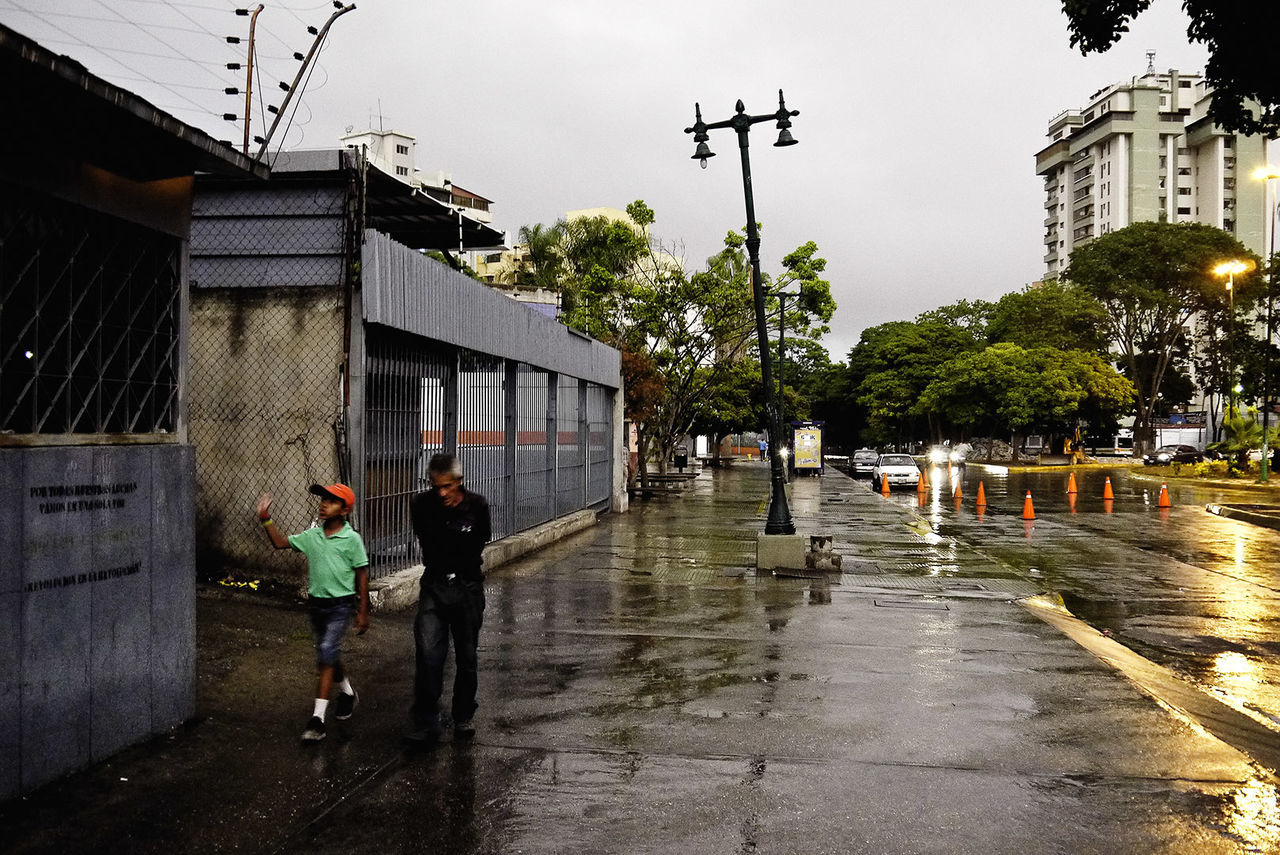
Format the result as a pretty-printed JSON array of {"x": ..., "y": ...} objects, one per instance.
[{"x": 264, "y": 506}]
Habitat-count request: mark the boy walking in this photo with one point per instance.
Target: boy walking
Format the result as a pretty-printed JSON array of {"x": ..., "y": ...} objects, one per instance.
[{"x": 337, "y": 588}]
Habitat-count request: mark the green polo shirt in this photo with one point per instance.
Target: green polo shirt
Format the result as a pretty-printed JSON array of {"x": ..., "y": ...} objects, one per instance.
[{"x": 331, "y": 561}]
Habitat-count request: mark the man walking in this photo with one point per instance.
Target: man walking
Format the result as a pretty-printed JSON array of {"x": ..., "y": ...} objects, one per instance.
[{"x": 452, "y": 526}]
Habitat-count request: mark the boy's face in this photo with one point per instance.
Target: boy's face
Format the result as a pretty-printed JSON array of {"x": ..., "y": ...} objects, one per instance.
[
  {"x": 448, "y": 487},
  {"x": 331, "y": 507}
]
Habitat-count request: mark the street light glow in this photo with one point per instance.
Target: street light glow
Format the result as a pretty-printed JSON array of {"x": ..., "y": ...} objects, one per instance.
[
  {"x": 1230, "y": 268},
  {"x": 1266, "y": 173}
]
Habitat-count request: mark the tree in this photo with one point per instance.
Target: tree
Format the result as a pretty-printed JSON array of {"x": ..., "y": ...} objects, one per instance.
[
  {"x": 1152, "y": 278},
  {"x": 733, "y": 403},
  {"x": 891, "y": 366},
  {"x": 1049, "y": 314},
  {"x": 1240, "y": 435},
  {"x": 1241, "y": 69},
  {"x": 1009, "y": 388}
]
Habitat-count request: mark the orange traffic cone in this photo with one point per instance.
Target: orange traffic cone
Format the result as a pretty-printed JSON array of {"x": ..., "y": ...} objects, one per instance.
[
  {"x": 922, "y": 486},
  {"x": 1107, "y": 492},
  {"x": 959, "y": 493},
  {"x": 1071, "y": 502},
  {"x": 884, "y": 485},
  {"x": 1108, "y": 505},
  {"x": 1164, "y": 498},
  {"x": 1071, "y": 484},
  {"x": 982, "y": 496},
  {"x": 1028, "y": 510}
]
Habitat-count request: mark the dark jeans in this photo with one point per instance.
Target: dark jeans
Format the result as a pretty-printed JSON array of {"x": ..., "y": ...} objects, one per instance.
[
  {"x": 455, "y": 609},
  {"x": 330, "y": 617}
]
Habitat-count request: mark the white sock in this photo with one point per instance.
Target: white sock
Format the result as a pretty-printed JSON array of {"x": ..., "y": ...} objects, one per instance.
[
  {"x": 345, "y": 686},
  {"x": 322, "y": 704}
]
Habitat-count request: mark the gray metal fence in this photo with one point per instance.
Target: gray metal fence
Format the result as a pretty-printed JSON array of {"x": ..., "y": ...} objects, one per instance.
[{"x": 500, "y": 417}]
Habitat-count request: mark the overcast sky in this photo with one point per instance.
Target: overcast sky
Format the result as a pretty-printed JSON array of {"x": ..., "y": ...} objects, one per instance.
[{"x": 919, "y": 119}]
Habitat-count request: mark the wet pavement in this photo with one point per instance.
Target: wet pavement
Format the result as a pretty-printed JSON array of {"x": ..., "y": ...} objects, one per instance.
[{"x": 643, "y": 689}]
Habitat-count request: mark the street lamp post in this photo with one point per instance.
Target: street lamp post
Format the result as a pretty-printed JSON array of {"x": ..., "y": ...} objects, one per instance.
[
  {"x": 1229, "y": 269},
  {"x": 1268, "y": 174},
  {"x": 779, "y": 519}
]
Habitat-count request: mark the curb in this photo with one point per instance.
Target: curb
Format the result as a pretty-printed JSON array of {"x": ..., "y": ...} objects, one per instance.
[
  {"x": 1244, "y": 514},
  {"x": 400, "y": 589}
]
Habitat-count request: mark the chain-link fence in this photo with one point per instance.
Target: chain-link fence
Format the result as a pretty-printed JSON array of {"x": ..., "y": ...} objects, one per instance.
[{"x": 265, "y": 416}]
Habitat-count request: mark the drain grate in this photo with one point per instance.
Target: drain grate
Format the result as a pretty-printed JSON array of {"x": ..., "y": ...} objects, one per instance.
[{"x": 917, "y": 604}]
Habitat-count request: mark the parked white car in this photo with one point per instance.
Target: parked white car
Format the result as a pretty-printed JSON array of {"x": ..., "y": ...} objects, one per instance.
[{"x": 899, "y": 468}]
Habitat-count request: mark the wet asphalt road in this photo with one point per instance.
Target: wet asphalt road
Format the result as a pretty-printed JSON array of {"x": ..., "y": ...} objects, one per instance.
[
  {"x": 644, "y": 690},
  {"x": 1186, "y": 588}
]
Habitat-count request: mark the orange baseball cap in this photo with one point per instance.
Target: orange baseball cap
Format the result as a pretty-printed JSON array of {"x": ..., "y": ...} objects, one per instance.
[{"x": 341, "y": 492}]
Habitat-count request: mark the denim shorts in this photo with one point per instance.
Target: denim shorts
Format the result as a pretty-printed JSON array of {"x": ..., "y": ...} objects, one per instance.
[{"x": 330, "y": 617}]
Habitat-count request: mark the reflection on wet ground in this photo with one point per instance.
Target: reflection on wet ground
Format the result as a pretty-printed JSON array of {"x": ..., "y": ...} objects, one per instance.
[
  {"x": 644, "y": 689},
  {"x": 1188, "y": 589}
]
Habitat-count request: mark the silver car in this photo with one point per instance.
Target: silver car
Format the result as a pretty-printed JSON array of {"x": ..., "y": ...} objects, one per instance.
[
  {"x": 863, "y": 461},
  {"x": 899, "y": 468}
]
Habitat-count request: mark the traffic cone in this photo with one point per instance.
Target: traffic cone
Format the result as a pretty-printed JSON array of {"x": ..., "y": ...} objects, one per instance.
[
  {"x": 1071, "y": 502},
  {"x": 922, "y": 486},
  {"x": 1164, "y": 498},
  {"x": 1107, "y": 492},
  {"x": 1028, "y": 510},
  {"x": 982, "y": 496},
  {"x": 884, "y": 485},
  {"x": 1108, "y": 505},
  {"x": 1071, "y": 484},
  {"x": 959, "y": 493}
]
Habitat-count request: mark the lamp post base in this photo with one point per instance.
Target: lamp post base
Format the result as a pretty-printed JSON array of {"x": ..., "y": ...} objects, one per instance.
[{"x": 780, "y": 551}]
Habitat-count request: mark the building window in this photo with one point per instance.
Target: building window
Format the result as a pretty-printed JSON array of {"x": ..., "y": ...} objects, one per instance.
[
  {"x": 1184, "y": 84},
  {"x": 1184, "y": 212},
  {"x": 1164, "y": 161},
  {"x": 1229, "y": 225},
  {"x": 1228, "y": 142},
  {"x": 1184, "y": 170},
  {"x": 402, "y": 170},
  {"x": 402, "y": 149},
  {"x": 1184, "y": 191},
  {"x": 1228, "y": 184}
]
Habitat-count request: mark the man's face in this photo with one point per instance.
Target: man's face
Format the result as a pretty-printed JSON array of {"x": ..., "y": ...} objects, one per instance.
[{"x": 448, "y": 487}]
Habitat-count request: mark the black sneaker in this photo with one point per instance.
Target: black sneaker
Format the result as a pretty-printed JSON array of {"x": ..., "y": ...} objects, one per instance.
[
  {"x": 345, "y": 705},
  {"x": 464, "y": 730},
  {"x": 314, "y": 731}
]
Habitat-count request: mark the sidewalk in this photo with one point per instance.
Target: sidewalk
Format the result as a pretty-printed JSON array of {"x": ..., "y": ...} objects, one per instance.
[{"x": 644, "y": 690}]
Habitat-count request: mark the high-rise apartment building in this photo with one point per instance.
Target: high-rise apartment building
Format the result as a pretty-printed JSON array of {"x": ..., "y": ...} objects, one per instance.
[{"x": 1146, "y": 150}]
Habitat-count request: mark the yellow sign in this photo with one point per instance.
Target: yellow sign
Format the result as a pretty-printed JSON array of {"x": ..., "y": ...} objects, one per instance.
[{"x": 808, "y": 448}]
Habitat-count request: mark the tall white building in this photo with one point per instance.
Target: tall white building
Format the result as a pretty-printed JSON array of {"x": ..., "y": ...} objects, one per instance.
[{"x": 1146, "y": 150}]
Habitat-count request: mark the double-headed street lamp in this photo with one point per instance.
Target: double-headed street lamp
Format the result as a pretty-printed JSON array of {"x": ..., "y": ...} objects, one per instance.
[
  {"x": 1268, "y": 175},
  {"x": 779, "y": 519}
]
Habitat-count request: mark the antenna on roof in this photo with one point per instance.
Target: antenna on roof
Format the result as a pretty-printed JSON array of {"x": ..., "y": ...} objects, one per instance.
[{"x": 1151, "y": 62}]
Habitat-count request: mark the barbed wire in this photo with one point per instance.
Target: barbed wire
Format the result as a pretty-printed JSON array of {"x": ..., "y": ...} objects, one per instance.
[{"x": 192, "y": 41}]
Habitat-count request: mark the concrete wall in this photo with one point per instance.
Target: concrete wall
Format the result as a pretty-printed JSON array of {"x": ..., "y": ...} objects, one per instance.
[
  {"x": 265, "y": 400},
  {"x": 97, "y": 604}
]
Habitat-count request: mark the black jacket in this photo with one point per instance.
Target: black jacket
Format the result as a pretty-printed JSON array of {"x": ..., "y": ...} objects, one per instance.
[{"x": 452, "y": 539}]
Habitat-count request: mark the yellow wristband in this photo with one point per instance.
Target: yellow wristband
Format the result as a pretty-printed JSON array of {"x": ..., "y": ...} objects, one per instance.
[{"x": 268, "y": 521}]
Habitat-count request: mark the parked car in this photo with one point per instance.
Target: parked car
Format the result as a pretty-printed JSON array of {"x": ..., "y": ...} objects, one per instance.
[
  {"x": 1166, "y": 454},
  {"x": 862, "y": 462},
  {"x": 899, "y": 468}
]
